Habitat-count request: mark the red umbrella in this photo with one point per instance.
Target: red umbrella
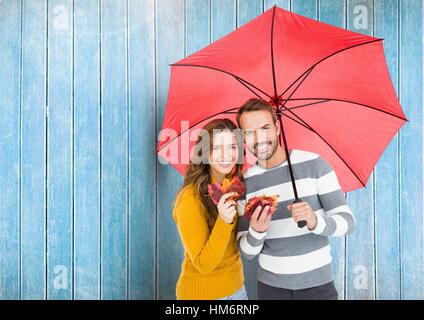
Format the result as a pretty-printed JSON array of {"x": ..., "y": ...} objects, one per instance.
[{"x": 330, "y": 87}]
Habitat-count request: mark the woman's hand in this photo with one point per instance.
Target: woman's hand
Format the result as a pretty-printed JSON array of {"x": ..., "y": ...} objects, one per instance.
[{"x": 227, "y": 209}]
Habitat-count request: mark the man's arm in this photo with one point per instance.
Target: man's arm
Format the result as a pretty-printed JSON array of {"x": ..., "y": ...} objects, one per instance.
[{"x": 337, "y": 219}]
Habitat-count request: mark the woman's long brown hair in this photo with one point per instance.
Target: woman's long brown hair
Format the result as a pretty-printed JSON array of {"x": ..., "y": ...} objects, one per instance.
[{"x": 198, "y": 172}]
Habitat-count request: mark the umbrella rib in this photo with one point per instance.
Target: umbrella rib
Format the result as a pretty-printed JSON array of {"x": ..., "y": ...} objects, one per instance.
[
  {"x": 272, "y": 55},
  {"x": 284, "y": 104},
  {"x": 298, "y": 85},
  {"x": 286, "y": 115},
  {"x": 321, "y": 100},
  {"x": 232, "y": 112},
  {"x": 325, "y": 58},
  {"x": 241, "y": 81},
  {"x": 307, "y": 126},
  {"x": 308, "y": 104},
  {"x": 334, "y": 150},
  {"x": 192, "y": 126},
  {"x": 220, "y": 70}
]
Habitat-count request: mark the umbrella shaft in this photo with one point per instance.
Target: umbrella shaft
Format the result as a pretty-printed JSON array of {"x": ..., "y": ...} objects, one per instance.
[{"x": 287, "y": 155}]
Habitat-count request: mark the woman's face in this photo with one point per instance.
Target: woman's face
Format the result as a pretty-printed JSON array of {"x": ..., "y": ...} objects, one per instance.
[{"x": 223, "y": 155}]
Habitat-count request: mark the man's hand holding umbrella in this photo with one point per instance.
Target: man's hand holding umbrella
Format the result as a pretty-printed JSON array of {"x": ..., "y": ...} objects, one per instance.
[{"x": 302, "y": 211}]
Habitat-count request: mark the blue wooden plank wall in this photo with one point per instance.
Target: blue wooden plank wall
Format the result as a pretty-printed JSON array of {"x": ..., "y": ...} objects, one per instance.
[{"x": 85, "y": 207}]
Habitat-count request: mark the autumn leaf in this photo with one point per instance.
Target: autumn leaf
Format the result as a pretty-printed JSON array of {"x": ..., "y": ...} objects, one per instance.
[
  {"x": 254, "y": 202},
  {"x": 229, "y": 184}
]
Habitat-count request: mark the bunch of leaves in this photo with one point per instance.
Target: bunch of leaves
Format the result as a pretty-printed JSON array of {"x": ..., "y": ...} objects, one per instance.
[
  {"x": 254, "y": 202},
  {"x": 229, "y": 184}
]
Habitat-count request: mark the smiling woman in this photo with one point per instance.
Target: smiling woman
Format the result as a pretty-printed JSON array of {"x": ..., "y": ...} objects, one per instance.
[
  {"x": 212, "y": 267},
  {"x": 218, "y": 151}
]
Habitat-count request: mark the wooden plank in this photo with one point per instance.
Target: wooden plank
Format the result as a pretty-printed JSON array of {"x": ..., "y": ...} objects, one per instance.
[
  {"x": 246, "y": 11},
  {"x": 33, "y": 150},
  {"x": 142, "y": 145},
  {"x": 87, "y": 149},
  {"x": 360, "y": 277},
  {"x": 333, "y": 12},
  {"x": 59, "y": 151},
  {"x": 10, "y": 72},
  {"x": 411, "y": 150},
  {"x": 285, "y": 4},
  {"x": 386, "y": 172},
  {"x": 169, "y": 49},
  {"x": 223, "y": 18},
  {"x": 307, "y": 8},
  {"x": 114, "y": 150},
  {"x": 197, "y": 25}
]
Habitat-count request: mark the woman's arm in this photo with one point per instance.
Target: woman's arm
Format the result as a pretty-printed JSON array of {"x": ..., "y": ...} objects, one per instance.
[{"x": 204, "y": 248}]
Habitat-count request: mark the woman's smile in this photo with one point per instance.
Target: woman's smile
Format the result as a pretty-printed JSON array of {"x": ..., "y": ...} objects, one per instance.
[{"x": 225, "y": 164}]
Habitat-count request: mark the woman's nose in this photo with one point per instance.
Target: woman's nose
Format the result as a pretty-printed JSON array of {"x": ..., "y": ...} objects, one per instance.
[{"x": 226, "y": 155}]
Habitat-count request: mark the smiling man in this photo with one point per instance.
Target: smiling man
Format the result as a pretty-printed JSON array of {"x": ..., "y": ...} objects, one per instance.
[{"x": 294, "y": 263}]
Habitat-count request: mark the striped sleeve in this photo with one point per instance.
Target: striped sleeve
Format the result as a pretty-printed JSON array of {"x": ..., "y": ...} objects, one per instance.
[
  {"x": 249, "y": 242},
  {"x": 337, "y": 219}
]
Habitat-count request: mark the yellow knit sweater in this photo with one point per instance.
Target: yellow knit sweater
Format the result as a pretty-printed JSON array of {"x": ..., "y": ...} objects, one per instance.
[{"x": 212, "y": 267}]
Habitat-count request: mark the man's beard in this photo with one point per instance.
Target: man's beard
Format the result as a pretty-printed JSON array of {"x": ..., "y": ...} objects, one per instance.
[{"x": 267, "y": 156}]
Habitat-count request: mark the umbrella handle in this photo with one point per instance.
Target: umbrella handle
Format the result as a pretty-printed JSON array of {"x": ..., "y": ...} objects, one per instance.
[{"x": 301, "y": 223}]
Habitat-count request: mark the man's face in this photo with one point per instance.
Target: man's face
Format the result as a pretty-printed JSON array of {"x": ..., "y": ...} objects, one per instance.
[{"x": 260, "y": 133}]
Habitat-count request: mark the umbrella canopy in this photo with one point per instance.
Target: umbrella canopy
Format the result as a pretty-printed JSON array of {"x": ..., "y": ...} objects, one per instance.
[{"x": 330, "y": 87}]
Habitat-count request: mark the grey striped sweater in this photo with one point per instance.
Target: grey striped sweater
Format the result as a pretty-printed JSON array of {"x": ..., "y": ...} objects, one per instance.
[{"x": 292, "y": 257}]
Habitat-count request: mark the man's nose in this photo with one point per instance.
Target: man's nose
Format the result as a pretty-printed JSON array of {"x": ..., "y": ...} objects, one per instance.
[{"x": 260, "y": 136}]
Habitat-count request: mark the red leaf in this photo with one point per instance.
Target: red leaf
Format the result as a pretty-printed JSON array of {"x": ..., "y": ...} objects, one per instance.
[
  {"x": 231, "y": 184},
  {"x": 263, "y": 201}
]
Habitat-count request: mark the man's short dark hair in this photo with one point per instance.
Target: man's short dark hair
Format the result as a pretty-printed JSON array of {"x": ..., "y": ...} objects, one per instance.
[{"x": 256, "y": 104}]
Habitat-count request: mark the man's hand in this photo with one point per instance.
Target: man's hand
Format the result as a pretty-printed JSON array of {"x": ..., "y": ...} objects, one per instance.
[
  {"x": 302, "y": 211},
  {"x": 260, "y": 221}
]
